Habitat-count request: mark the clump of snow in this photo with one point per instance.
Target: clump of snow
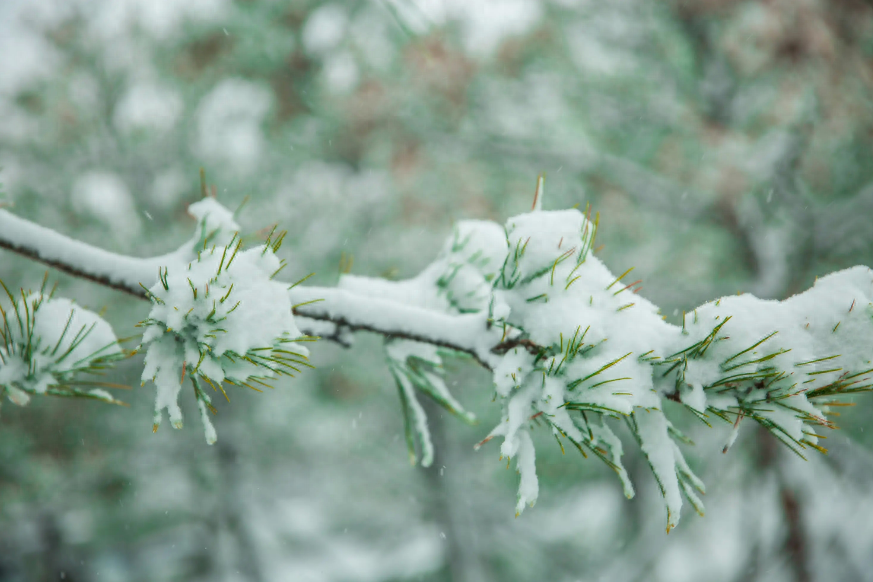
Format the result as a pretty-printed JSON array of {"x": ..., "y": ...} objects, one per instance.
[
  {"x": 667, "y": 463},
  {"x": 47, "y": 343},
  {"x": 778, "y": 362},
  {"x": 220, "y": 318},
  {"x": 528, "y": 486},
  {"x": 215, "y": 223},
  {"x": 203, "y": 402},
  {"x": 594, "y": 341}
]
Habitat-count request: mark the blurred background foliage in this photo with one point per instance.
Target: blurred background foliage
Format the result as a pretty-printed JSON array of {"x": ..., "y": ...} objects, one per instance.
[{"x": 726, "y": 144}]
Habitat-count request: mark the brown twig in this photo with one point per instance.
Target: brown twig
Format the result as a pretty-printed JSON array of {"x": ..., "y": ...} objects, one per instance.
[{"x": 507, "y": 345}]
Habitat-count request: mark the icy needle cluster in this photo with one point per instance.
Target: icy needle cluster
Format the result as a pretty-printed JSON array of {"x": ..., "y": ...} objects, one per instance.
[
  {"x": 53, "y": 346},
  {"x": 780, "y": 363},
  {"x": 591, "y": 349},
  {"x": 589, "y": 343},
  {"x": 219, "y": 318}
]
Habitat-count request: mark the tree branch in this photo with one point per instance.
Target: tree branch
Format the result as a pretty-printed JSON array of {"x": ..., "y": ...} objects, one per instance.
[
  {"x": 81, "y": 259},
  {"x": 467, "y": 333}
]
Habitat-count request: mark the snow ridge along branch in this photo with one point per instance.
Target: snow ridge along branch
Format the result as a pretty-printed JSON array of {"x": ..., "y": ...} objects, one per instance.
[{"x": 341, "y": 308}]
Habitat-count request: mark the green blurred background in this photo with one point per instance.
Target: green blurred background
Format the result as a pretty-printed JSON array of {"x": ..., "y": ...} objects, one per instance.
[{"x": 726, "y": 144}]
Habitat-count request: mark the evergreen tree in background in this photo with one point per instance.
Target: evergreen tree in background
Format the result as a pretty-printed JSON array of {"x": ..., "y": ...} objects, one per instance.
[{"x": 726, "y": 145}]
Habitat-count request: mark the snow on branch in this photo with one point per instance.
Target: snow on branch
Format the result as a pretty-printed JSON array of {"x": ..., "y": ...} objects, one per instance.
[
  {"x": 50, "y": 345},
  {"x": 80, "y": 259},
  {"x": 336, "y": 307},
  {"x": 573, "y": 348},
  {"x": 580, "y": 349},
  {"x": 221, "y": 319}
]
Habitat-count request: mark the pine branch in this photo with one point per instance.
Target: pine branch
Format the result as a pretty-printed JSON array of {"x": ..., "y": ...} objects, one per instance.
[
  {"x": 529, "y": 302},
  {"x": 342, "y": 308},
  {"x": 77, "y": 258}
]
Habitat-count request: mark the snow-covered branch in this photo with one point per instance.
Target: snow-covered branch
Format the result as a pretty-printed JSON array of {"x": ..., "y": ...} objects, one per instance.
[
  {"x": 80, "y": 259},
  {"x": 572, "y": 347},
  {"x": 340, "y": 309}
]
